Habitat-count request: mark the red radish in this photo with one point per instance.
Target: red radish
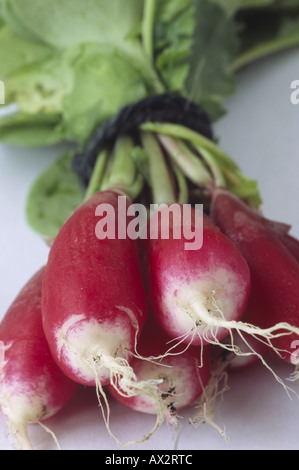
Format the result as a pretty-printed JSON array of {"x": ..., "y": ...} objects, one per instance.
[
  {"x": 278, "y": 227},
  {"x": 274, "y": 301},
  {"x": 180, "y": 376},
  {"x": 94, "y": 301},
  {"x": 198, "y": 296},
  {"x": 282, "y": 232},
  {"x": 292, "y": 244},
  {"x": 32, "y": 387}
]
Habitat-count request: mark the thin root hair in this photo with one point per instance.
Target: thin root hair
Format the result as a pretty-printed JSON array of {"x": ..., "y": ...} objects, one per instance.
[
  {"x": 211, "y": 399},
  {"x": 48, "y": 430},
  {"x": 210, "y": 335},
  {"x": 124, "y": 381},
  {"x": 157, "y": 359}
]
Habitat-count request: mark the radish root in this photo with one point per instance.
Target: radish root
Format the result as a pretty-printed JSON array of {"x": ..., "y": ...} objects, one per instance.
[
  {"x": 294, "y": 376},
  {"x": 20, "y": 434},
  {"x": 211, "y": 399},
  {"x": 157, "y": 359},
  {"x": 211, "y": 323},
  {"x": 49, "y": 431},
  {"x": 19, "y": 431},
  {"x": 124, "y": 380}
]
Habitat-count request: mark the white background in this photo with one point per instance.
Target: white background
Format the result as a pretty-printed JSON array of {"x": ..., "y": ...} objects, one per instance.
[{"x": 261, "y": 133}]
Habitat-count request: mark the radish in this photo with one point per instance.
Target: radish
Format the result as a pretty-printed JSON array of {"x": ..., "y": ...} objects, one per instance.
[
  {"x": 274, "y": 300},
  {"x": 292, "y": 244},
  {"x": 197, "y": 295},
  {"x": 32, "y": 387},
  {"x": 200, "y": 296},
  {"x": 282, "y": 232},
  {"x": 94, "y": 301},
  {"x": 181, "y": 376}
]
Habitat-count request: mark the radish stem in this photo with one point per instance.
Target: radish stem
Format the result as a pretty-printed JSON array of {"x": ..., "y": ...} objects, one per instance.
[
  {"x": 206, "y": 148},
  {"x": 97, "y": 174},
  {"x": 224, "y": 170},
  {"x": 183, "y": 194},
  {"x": 161, "y": 185},
  {"x": 122, "y": 172},
  {"x": 189, "y": 163},
  {"x": 148, "y": 27}
]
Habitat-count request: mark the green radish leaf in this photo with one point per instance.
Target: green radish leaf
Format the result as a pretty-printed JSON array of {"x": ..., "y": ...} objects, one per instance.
[
  {"x": 98, "y": 82},
  {"x": 37, "y": 88},
  {"x": 53, "y": 197},
  {"x": 14, "y": 23},
  {"x": 173, "y": 34},
  {"x": 267, "y": 31},
  {"x": 26, "y": 130},
  {"x": 284, "y": 5},
  {"x": 2, "y": 21},
  {"x": 16, "y": 52},
  {"x": 215, "y": 45},
  {"x": 72, "y": 22},
  {"x": 64, "y": 24}
]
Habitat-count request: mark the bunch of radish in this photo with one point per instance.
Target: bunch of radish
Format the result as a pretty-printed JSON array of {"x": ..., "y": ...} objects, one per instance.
[
  {"x": 141, "y": 318},
  {"x": 89, "y": 318}
]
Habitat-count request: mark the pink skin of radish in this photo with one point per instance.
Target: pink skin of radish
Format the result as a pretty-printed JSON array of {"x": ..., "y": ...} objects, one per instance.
[
  {"x": 94, "y": 301},
  {"x": 198, "y": 296},
  {"x": 32, "y": 387},
  {"x": 282, "y": 232},
  {"x": 274, "y": 300},
  {"x": 292, "y": 244},
  {"x": 180, "y": 376}
]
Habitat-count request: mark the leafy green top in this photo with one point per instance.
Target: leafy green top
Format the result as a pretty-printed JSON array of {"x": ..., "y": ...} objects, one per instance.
[
  {"x": 69, "y": 65},
  {"x": 68, "y": 59}
]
